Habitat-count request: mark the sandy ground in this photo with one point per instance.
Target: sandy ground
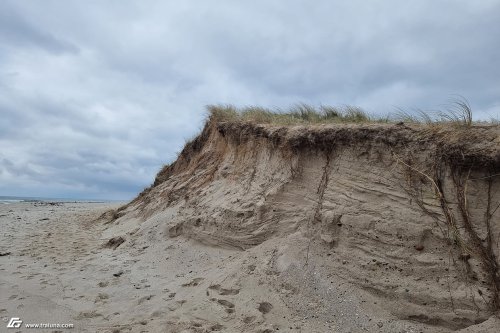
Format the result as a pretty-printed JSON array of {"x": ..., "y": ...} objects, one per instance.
[
  {"x": 55, "y": 268},
  {"x": 51, "y": 261}
]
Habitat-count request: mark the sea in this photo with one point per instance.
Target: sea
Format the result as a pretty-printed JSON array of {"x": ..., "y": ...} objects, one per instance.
[{"x": 12, "y": 199}]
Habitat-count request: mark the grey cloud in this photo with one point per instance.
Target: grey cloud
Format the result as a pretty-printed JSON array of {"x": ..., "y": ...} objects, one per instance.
[
  {"x": 19, "y": 170},
  {"x": 15, "y": 31},
  {"x": 94, "y": 102}
]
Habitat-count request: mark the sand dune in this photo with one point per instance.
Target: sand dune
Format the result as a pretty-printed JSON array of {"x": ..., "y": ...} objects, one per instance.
[{"x": 261, "y": 228}]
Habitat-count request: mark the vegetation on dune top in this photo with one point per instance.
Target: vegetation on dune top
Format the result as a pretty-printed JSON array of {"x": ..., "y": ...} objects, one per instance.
[
  {"x": 458, "y": 113},
  {"x": 298, "y": 114}
]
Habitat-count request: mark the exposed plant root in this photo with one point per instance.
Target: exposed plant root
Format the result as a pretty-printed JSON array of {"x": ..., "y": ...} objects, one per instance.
[
  {"x": 485, "y": 253},
  {"x": 321, "y": 188},
  {"x": 471, "y": 244},
  {"x": 436, "y": 183},
  {"x": 323, "y": 184}
]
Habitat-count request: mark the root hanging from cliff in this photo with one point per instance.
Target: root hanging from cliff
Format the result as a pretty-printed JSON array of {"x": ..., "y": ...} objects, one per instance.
[
  {"x": 323, "y": 184},
  {"x": 469, "y": 242},
  {"x": 485, "y": 252},
  {"x": 322, "y": 187}
]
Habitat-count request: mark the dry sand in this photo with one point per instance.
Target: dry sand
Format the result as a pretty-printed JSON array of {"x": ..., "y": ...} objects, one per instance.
[{"x": 59, "y": 272}]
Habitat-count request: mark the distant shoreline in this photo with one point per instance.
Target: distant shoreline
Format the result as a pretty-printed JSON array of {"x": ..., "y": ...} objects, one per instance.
[{"x": 17, "y": 199}]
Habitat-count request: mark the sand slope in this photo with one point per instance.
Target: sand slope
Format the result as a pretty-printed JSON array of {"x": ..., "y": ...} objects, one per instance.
[
  {"x": 262, "y": 229},
  {"x": 380, "y": 207}
]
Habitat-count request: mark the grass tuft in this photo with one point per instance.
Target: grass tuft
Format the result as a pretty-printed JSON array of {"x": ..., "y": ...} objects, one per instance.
[
  {"x": 458, "y": 113},
  {"x": 222, "y": 112},
  {"x": 297, "y": 114}
]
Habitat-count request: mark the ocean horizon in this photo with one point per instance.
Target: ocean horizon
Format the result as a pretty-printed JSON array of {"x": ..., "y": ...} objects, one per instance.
[{"x": 5, "y": 199}]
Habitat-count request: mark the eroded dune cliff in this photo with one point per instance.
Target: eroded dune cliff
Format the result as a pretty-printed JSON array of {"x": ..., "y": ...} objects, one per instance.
[{"x": 393, "y": 220}]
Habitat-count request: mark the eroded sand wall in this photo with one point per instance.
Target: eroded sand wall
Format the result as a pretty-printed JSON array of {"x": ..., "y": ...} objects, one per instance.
[{"x": 372, "y": 200}]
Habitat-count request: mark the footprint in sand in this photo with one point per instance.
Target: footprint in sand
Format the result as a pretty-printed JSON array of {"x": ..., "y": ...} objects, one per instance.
[
  {"x": 229, "y": 307},
  {"x": 216, "y": 327},
  {"x": 101, "y": 297},
  {"x": 144, "y": 299},
  {"x": 198, "y": 327},
  {"x": 265, "y": 307},
  {"x": 176, "y": 305},
  {"x": 193, "y": 283},
  {"x": 223, "y": 291},
  {"x": 88, "y": 314}
]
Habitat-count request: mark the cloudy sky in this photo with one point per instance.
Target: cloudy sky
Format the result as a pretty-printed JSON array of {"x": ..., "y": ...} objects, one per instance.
[{"x": 95, "y": 96}]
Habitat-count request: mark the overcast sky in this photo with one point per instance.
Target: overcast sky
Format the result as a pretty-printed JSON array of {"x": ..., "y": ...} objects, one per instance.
[{"x": 95, "y": 96}]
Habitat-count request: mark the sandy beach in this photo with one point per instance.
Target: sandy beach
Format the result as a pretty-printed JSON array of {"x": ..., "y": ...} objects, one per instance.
[
  {"x": 57, "y": 266},
  {"x": 50, "y": 261}
]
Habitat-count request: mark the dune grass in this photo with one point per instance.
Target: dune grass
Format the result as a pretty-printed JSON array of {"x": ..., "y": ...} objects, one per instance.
[
  {"x": 298, "y": 114},
  {"x": 458, "y": 113}
]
